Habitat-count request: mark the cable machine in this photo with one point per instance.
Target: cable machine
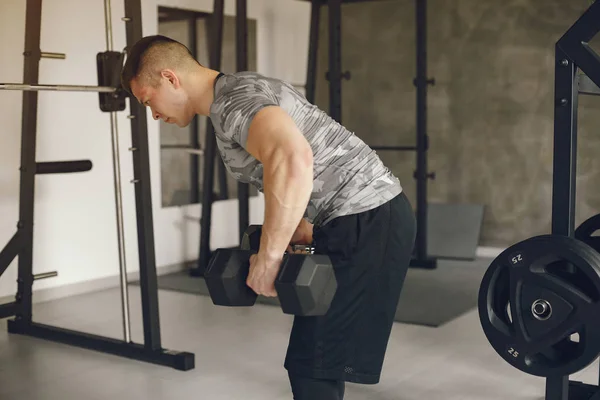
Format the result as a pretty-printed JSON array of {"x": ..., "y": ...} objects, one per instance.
[{"x": 111, "y": 99}]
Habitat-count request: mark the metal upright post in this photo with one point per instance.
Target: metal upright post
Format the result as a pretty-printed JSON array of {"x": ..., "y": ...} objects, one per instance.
[
  {"x": 565, "y": 145},
  {"x": 143, "y": 196},
  {"x": 335, "y": 60},
  {"x": 563, "y": 178},
  {"x": 313, "y": 47},
  {"x": 421, "y": 174},
  {"x": 215, "y": 48},
  {"x": 116, "y": 158},
  {"x": 241, "y": 42},
  {"x": 194, "y": 141},
  {"x": 32, "y": 53}
]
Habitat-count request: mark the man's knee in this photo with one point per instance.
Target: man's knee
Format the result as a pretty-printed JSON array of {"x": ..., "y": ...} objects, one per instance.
[{"x": 304, "y": 388}]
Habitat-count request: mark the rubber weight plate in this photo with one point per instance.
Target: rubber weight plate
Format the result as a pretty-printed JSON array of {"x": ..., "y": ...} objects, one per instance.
[
  {"x": 539, "y": 303},
  {"x": 585, "y": 232}
]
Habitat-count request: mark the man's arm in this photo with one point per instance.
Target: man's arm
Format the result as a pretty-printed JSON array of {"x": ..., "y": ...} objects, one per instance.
[{"x": 275, "y": 140}]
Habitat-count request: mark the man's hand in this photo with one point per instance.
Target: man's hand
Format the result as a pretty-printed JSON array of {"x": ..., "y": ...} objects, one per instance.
[
  {"x": 262, "y": 275},
  {"x": 303, "y": 233}
]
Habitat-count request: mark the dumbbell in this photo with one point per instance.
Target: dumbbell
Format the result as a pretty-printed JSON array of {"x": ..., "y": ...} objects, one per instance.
[{"x": 305, "y": 284}]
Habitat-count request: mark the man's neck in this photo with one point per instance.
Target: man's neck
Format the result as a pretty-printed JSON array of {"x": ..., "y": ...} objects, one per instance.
[{"x": 202, "y": 92}]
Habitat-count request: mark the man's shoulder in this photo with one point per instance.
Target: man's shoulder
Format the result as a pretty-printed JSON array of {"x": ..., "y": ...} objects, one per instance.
[
  {"x": 238, "y": 97},
  {"x": 250, "y": 82},
  {"x": 236, "y": 80}
]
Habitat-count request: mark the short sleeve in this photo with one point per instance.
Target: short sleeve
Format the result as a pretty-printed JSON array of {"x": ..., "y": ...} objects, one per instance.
[{"x": 235, "y": 108}]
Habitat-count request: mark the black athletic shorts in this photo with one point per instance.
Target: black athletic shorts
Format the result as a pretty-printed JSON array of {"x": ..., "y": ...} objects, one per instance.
[{"x": 370, "y": 253}]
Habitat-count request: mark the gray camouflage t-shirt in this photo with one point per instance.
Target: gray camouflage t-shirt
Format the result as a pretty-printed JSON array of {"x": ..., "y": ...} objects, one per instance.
[{"x": 349, "y": 177}]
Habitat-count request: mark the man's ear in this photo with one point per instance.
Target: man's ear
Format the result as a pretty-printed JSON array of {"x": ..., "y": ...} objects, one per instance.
[{"x": 171, "y": 76}]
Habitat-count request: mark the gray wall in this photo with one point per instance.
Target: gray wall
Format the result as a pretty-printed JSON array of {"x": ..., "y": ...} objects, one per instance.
[
  {"x": 491, "y": 112},
  {"x": 175, "y": 164}
]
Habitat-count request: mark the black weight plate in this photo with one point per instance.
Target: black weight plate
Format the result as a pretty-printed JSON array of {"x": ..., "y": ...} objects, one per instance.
[
  {"x": 534, "y": 296},
  {"x": 585, "y": 232}
]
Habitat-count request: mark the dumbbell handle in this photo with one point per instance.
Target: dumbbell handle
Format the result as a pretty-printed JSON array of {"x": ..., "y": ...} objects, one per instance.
[{"x": 302, "y": 249}]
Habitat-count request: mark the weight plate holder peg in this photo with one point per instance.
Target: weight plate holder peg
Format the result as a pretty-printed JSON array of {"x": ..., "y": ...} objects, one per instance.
[
  {"x": 533, "y": 300},
  {"x": 585, "y": 232}
]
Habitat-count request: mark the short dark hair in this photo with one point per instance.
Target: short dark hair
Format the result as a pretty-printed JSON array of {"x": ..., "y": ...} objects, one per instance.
[{"x": 137, "y": 54}]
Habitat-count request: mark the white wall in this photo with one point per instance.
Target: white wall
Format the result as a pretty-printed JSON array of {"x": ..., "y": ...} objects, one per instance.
[{"x": 75, "y": 226}]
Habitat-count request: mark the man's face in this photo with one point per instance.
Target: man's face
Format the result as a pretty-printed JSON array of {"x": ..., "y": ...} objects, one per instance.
[{"x": 167, "y": 101}]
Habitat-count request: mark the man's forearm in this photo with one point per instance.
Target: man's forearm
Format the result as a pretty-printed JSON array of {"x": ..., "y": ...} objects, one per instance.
[{"x": 287, "y": 185}]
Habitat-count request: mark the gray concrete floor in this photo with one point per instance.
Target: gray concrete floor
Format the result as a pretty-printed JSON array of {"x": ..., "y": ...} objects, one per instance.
[{"x": 239, "y": 355}]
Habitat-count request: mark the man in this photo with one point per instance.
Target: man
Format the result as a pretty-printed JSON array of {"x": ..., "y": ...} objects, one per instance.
[{"x": 322, "y": 185}]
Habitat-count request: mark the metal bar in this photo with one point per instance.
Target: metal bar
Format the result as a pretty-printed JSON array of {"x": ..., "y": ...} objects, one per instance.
[
  {"x": 45, "y": 275},
  {"x": 59, "y": 88},
  {"x": 241, "y": 29},
  {"x": 57, "y": 56},
  {"x": 421, "y": 173},
  {"x": 108, "y": 25},
  {"x": 179, "y": 360},
  {"x": 223, "y": 193},
  {"x": 557, "y": 388},
  {"x": 575, "y": 42},
  {"x": 395, "y": 148},
  {"x": 143, "y": 195},
  {"x": 584, "y": 57},
  {"x": 33, "y": 22},
  {"x": 564, "y": 172},
  {"x": 187, "y": 149},
  {"x": 335, "y": 60},
  {"x": 194, "y": 135},
  {"x": 8, "y": 310},
  {"x": 565, "y": 145},
  {"x": 116, "y": 160},
  {"x": 215, "y": 34},
  {"x": 589, "y": 63},
  {"x": 587, "y": 86},
  {"x": 62, "y": 167},
  {"x": 10, "y": 251},
  {"x": 313, "y": 47}
]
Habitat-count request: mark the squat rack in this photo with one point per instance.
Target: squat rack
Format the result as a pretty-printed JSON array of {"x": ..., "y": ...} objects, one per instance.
[
  {"x": 112, "y": 98},
  {"x": 572, "y": 53},
  {"x": 334, "y": 76}
]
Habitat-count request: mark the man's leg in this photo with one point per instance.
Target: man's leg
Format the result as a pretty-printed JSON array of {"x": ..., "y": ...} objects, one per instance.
[
  {"x": 370, "y": 253},
  {"x": 370, "y": 339},
  {"x": 304, "y": 388}
]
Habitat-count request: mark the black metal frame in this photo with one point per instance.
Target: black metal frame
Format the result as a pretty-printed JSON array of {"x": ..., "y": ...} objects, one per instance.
[
  {"x": 21, "y": 245},
  {"x": 572, "y": 52},
  {"x": 194, "y": 139},
  {"x": 167, "y": 14},
  {"x": 241, "y": 55},
  {"x": 216, "y": 33},
  {"x": 334, "y": 76},
  {"x": 421, "y": 82}
]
